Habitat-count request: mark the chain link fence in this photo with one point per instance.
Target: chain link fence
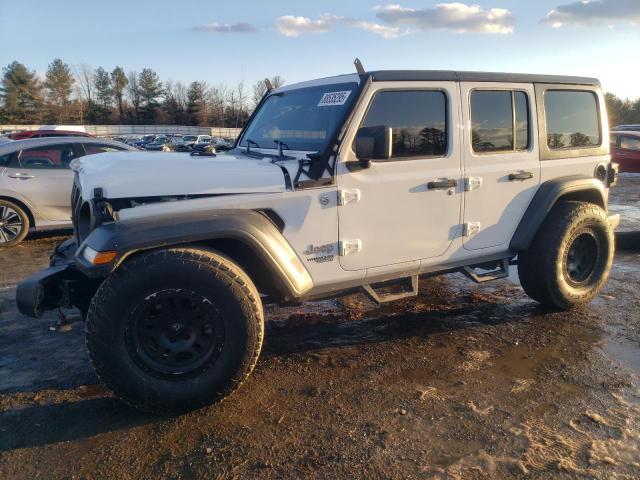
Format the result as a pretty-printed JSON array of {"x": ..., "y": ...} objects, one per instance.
[{"x": 109, "y": 130}]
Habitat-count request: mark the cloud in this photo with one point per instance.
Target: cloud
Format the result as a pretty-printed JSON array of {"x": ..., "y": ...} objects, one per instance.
[
  {"x": 292, "y": 26},
  {"x": 215, "y": 27},
  {"x": 383, "y": 30},
  {"x": 594, "y": 12},
  {"x": 459, "y": 17}
]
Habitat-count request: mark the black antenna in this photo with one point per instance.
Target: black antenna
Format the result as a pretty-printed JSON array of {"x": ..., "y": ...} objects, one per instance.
[
  {"x": 359, "y": 68},
  {"x": 268, "y": 84}
]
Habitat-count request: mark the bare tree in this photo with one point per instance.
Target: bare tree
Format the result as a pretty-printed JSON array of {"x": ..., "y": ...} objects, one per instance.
[
  {"x": 175, "y": 102},
  {"x": 260, "y": 88},
  {"x": 133, "y": 91},
  {"x": 241, "y": 107},
  {"x": 217, "y": 104},
  {"x": 85, "y": 76}
]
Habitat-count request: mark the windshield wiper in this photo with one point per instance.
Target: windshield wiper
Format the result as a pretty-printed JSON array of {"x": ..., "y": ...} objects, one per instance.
[
  {"x": 281, "y": 146},
  {"x": 249, "y": 143}
]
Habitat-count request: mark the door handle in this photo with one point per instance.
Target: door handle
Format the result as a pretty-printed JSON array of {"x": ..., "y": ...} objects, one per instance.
[
  {"x": 442, "y": 184},
  {"x": 521, "y": 175},
  {"x": 21, "y": 176}
]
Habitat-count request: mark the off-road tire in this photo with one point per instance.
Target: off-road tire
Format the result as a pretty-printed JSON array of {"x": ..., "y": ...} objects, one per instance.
[
  {"x": 24, "y": 219},
  {"x": 547, "y": 272},
  {"x": 220, "y": 283}
]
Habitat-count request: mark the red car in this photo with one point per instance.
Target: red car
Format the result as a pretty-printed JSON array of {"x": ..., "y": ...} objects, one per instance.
[
  {"x": 47, "y": 133},
  {"x": 625, "y": 150}
]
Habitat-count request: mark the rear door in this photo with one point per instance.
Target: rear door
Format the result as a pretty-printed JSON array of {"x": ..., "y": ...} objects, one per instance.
[
  {"x": 42, "y": 176},
  {"x": 501, "y": 161}
]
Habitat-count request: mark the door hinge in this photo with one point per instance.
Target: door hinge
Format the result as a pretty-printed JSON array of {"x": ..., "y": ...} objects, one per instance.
[
  {"x": 348, "y": 196},
  {"x": 348, "y": 247},
  {"x": 471, "y": 228},
  {"x": 471, "y": 183}
]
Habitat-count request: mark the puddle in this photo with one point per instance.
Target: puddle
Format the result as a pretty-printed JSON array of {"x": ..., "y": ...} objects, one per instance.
[{"x": 626, "y": 353}]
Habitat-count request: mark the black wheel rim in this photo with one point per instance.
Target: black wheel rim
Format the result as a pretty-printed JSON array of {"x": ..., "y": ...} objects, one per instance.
[
  {"x": 11, "y": 224},
  {"x": 175, "y": 333},
  {"x": 582, "y": 257}
]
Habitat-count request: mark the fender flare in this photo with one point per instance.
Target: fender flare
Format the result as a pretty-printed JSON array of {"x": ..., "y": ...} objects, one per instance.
[
  {"x": 548, "y": 194},
  {"x": 252, "y": 228}
]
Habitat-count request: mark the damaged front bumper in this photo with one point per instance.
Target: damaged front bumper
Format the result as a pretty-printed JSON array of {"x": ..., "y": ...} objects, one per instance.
[{"x": 61, "y": 285}]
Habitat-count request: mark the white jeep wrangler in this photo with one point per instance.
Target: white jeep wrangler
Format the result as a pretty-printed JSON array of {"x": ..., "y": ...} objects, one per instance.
[{"x": 339, "y": 184}]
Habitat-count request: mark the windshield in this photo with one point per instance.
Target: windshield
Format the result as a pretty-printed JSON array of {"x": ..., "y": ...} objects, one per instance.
[
  {"x": 303, "y": 119},
  {"x": 189, "y": 138}
]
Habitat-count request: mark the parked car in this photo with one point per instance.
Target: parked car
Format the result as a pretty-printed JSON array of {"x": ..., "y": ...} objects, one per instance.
[
  {"x": 158, "y": 143},
  {"x": 35, "y": 182},
  {"x": 204, "y": 150},
  {"x": 337, "y": 185},
  {"x": 626, "y": 128},
  {"x": 144, "y": 141},
  {"x": 223, "y": 144},
  {"x": 48, "y": 133},
  {"x": 625, "y": 150}
]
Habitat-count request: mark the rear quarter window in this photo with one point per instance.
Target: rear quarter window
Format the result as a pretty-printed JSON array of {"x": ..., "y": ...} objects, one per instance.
[
  {"x": 93, "y": 148},
  {"x": 630, "y": 143},
  {"x": 572, "y": 119}
]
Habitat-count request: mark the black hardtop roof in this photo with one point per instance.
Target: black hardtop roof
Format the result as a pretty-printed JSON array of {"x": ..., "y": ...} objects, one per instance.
[{"x": 455, "y": 76}]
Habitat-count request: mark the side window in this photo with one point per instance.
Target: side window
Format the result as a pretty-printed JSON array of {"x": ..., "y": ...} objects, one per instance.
[
  {"x": 572, "y": 119},
  {"x": 630, "y": 143},
  {"x": 499, "y": 121},
  {"x": 418, "y": 120},
  {"x": 93, "y": 148},
  {"x": 613, "y": 141},
  {"x": 51, "y": 156},
  {"x": 5, "y": 159}
]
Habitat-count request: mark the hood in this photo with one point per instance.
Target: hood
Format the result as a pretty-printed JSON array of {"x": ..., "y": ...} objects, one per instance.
[{"x": 147, "y": 174}]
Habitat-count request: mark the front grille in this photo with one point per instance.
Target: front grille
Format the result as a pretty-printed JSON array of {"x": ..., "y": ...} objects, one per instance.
[{"x": 76, "y": 204}]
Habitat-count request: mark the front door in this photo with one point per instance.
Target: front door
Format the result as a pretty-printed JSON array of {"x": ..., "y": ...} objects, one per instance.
[
  {"x": 407, "y": 208},
  {"x": 501, "y": 161},
  {"x": 43, "y": 178}
]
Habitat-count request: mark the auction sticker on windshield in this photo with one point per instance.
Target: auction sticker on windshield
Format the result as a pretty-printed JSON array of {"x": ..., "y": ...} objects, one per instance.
[{"x": 332, "y": 99}]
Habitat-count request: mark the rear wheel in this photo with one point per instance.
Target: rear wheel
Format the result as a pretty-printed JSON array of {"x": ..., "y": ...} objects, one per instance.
[
  {"x": 173, "y": 330},
  {"x": 570, "y": 258},
  {"x": 14, "y": 224}
]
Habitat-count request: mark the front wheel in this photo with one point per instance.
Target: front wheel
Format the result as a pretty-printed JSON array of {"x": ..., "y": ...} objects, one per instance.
[
  {"x": 176, "y": 329},
  {"x": 14, "y": 224},
  {"x": 570, "y": 258}
]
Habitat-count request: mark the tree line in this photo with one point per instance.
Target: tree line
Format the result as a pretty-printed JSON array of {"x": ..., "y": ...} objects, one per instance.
[
  {"x": 87, "y": 95},
  {"x": 84, "y": 95}
]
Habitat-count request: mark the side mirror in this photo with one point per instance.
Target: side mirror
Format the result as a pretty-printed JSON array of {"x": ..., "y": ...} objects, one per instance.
[{"x": 374, "y": 143}]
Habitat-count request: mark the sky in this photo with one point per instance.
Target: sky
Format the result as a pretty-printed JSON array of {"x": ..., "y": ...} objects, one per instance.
[{"x": 221, "y": 41}]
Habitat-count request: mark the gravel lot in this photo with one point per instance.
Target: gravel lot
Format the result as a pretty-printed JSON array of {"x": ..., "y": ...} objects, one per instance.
[{"x": 466, "y": 381}]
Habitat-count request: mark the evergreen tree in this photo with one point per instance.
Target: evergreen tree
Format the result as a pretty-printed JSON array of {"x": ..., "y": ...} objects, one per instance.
[
  {"x": 104, "y": 94},
  {"x": 59, "y": 83},
  {"x": 119, "y": 82},
  {"x": 21, "y": 95},
  {"x": 150, "y": 91},
  {"x": 197, "y": 103}
]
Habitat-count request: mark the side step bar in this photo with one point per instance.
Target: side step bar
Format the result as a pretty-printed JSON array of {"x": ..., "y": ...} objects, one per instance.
[
  {"x": 392, "y": 297},
  {"x": 501, "y": 272}
]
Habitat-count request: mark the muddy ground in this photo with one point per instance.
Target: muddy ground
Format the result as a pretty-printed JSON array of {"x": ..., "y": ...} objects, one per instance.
[{"x": 466, "y": 381}]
